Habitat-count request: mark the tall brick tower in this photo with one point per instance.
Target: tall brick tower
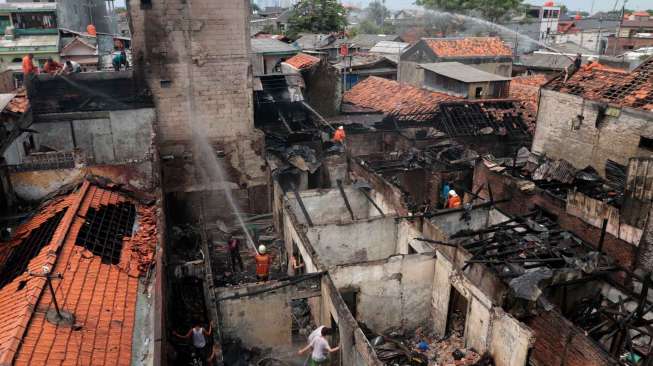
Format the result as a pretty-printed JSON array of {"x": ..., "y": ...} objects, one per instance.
[{"x": 194, "y": 56}]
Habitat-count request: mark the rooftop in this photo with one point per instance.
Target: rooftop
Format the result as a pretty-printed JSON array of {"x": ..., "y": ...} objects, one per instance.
[
  {"x": 612, "y": 86},
  {"x": 391, "y": 47},
  {"x": 392, "y": 97},
  {"x": 302, "y": 61},
  {"x": 462, "y": 72},
  {"x": 99, "y": 283},
  {"x": 468, "y": 47},
  {"x": 271, "y": 46},
  {"x": 527, "y": 90},
  {"x": 370, "y": 40},
  {"x": 28, "y": 7}
]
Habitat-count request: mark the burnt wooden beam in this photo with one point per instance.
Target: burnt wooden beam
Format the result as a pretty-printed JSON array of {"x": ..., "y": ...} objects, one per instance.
[
  {"x": 298, "y": 197},
  {"x": 367, "y": 195},
  {"x": 344, "y": 197}
]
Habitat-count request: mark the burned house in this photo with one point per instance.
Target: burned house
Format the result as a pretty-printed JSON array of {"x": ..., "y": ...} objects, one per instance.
[
  {"x": 595, "y": 115},
  {"x": 488, "y": 54}
]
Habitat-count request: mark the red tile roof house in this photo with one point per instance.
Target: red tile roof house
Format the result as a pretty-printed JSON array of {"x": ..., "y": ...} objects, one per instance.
[
  {"x": 488, "y": 54},
  {"x": 102, "y": 282}
]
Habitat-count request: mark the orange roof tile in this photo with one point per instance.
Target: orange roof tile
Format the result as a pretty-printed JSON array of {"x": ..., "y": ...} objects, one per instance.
[
  {"x": 101, "y": 296},
  {"x": 302, "y": 61},
  {"x": 468, "y": 47},
  {"x": 19, "y": 103},
  {"x": 392, "y": 97},
  {"x": 613, "y": 86},
  {"x": 527, "y": 90}
]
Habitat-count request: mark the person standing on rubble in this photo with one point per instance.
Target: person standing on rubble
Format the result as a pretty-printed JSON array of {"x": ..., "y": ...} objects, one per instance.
[
  {"x": 339, "y": 136},
  {"x": 263, "y": 262},
  {"x": 454, "y": 200},
  {"x": 198, "y": 335},
  {"x": 320, "y": 346},
  {"x": 233, "y": 246}
]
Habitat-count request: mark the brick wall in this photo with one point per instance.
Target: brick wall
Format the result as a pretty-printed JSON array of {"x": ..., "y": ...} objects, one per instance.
[
  {"x": 559, "y": 342},
  {"x": 615, "y": 138},
  {"x": 504, "y": 187},
  {"x": 194, "y": 56}
]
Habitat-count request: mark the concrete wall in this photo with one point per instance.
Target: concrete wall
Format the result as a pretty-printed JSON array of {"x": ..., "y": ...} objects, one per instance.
[
  {"x": 347, "y": 243},
  {"x": 260, "y": 320},
  {"x": 408, "y": 72},
  {"x": 615, "y": 138},
  {"x": 390, "y": 293},
  {"x": 452, "y": 223},
  {"x": 36, "y": 185},
  {"x": 328, "y": 206},
  {"x": 121, "y": 136},
  {"x": 73, "y": 15}
]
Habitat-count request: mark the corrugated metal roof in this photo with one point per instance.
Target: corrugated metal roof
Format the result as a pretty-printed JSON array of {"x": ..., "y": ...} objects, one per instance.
[
  {"x": 5, "y": 99},
  {"x": 370, "y": 40},
  {"x": 462, "y": 72},
  {"x": 269, "y": 45},
  {"x": 394, "y": 48}
]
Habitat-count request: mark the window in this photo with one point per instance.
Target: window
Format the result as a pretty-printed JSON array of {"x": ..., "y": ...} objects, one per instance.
[
  {"x": 479, "y": 92},
  {"x": 645, "y": 143},
  {"x": 146, "y": 4}
]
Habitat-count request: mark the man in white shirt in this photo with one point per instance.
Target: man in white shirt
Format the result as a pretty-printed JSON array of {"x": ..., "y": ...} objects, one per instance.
[
  {"x": 72, "y": 67},
  {"x": 320, "y": 346}
]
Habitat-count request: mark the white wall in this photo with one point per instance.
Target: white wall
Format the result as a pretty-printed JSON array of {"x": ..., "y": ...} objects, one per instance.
[{"x": 390, "y": 293}]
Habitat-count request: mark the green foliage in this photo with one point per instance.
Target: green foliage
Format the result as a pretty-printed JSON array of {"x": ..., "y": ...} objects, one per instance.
[
  {"x": 489, "y": 9},
  {"x": 377, "y": 13},
  {"x": 317, "y": 16},
  {"x": 254, "y": 7}
]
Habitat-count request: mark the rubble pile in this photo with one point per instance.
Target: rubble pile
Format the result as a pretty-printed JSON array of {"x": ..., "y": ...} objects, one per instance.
[{"x": 395, "y": 347}]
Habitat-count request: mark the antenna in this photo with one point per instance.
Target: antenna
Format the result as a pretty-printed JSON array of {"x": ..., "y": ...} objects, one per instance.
[{"x": 56, "y": 316}]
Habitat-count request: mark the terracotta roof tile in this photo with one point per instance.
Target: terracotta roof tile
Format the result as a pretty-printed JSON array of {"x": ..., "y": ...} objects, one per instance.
[
  {"x": 392, "y": 97},
  {"x": 527, "y": 90},
  {"x": 613, "y": 86},
  {"x": 468, "y": 47},
  {"x": 19, "y": 103},
  {"x": 302, "y": 61},
  {"x": 101, "y": 296}
]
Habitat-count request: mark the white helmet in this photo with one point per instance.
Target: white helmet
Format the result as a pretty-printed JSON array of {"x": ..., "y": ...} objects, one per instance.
[
  {"x": 341, "y": 128},
  {"x": 262, "y": 249},
  {"x": 452, "y": 193}
]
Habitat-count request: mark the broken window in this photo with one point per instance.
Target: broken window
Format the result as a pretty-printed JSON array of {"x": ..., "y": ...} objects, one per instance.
[
  {"x": 350, "y": 297},
  {"x": 479, "y": 92},
  {"x": 23, "y": 253},
  {"x": 105, "y": 228},
  {"x": 645, "y": 143}
]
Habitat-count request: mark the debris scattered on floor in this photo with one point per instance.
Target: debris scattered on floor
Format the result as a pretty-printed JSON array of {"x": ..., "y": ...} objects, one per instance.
[{"x": 395, "y": 347}]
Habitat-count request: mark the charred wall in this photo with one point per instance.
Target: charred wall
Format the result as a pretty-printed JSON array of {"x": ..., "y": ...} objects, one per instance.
[{"x": 520, "y": 203}]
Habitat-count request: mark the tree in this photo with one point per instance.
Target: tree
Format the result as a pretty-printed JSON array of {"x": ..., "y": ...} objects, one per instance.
[
  {"x": 489, "y": 9},
  {"x": 377, "y": 13},
  {"x": 317, "y": 16},
  {"x": 254, "y": 7}
]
